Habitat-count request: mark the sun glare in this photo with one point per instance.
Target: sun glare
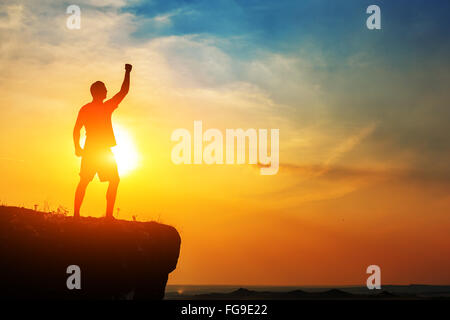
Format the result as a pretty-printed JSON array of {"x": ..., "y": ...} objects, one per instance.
[{"x": 125, "y": 151}]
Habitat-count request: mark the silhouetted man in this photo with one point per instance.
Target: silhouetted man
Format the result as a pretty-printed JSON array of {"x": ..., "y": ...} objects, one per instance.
[{"x": 97, "y": 157}]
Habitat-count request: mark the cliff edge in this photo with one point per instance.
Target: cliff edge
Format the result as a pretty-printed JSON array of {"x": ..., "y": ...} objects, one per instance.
[{"x": 116, "y": 259}]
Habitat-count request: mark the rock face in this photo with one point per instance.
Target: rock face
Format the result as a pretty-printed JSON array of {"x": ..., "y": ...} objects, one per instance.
[{"x": 118, "y": 259}]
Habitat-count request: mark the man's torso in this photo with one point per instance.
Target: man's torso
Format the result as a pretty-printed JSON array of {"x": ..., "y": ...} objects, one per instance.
[{"x": 97, "y": 122}]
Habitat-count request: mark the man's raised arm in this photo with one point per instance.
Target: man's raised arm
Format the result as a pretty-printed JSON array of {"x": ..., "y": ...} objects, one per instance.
[{"x": 125, "y": 87}]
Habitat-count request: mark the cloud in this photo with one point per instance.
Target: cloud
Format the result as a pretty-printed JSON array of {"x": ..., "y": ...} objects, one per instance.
[
  {"x": 346, "y": 146},
  {"x": 12, "y": 17},
  {"x": 314, "y": 95}
]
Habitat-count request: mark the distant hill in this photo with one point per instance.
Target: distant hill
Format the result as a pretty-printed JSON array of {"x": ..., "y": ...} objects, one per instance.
[
  {"x": 244, "y": 294},
  {"x": 348, "y": 293},
  {"x": 117, "y": 259}
]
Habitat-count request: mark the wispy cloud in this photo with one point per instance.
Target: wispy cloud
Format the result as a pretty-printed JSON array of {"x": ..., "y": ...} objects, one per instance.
[
  {"x": 346, "y": 146},
  {"x": 12, "y": 17}
]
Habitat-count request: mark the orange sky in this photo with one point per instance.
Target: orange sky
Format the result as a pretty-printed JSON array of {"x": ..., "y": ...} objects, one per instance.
[{"x": 353, "y": 189}]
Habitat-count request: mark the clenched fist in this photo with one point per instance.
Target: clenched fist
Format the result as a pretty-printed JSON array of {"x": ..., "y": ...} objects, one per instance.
[{"x": 128, "y": 67}]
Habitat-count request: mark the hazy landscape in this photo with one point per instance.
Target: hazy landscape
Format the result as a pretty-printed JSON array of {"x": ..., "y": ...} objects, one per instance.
[{"x": 182, "y": 292}]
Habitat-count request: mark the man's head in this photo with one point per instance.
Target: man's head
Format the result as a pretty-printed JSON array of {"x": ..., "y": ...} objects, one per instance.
[{"x": 98, "y": 90}]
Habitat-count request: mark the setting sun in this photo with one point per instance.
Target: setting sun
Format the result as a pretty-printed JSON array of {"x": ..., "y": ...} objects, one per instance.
[{"x": 125, "y": 151}]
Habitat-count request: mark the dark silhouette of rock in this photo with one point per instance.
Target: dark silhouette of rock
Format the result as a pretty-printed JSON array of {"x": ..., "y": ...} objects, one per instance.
[{"x": 117, "y": 258}]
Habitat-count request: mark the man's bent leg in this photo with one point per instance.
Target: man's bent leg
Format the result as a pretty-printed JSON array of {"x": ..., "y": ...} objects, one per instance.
[
  {"x": 79, "y": 196},
  {"x": 111, "y": 196}
]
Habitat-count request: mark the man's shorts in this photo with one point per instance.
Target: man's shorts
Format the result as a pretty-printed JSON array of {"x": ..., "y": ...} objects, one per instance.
[{"x": 101, "y": 162}]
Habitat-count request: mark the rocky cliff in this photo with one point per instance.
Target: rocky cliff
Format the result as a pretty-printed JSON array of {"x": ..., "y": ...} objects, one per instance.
[{"x": 116, "y": 259}]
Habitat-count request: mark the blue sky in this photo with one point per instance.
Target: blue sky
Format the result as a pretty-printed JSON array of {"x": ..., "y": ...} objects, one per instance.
[
  {"x": 283, "y": 26},
  {"x": 387, "y": 76}
]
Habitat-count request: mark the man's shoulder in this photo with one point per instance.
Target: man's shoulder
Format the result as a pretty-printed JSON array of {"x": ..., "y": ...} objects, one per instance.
[
  {"x": 86, "y": 106},
  {"x": 85, "y": 109}
]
